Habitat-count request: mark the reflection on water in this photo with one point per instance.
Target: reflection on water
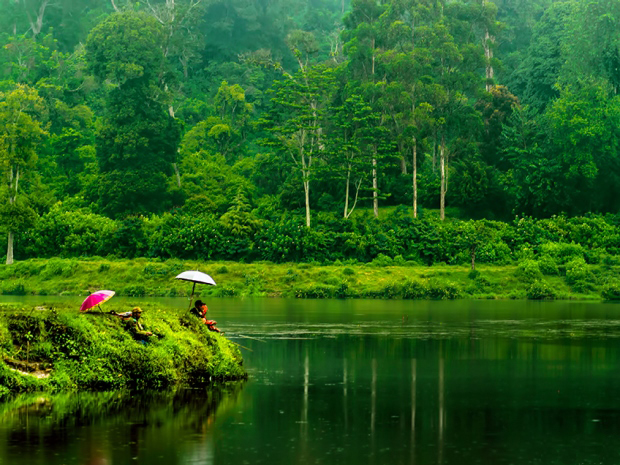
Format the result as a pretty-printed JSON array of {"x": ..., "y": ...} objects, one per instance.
[
  {"x": 355, "y": 382},
  {"x": 112, "y": 428}
]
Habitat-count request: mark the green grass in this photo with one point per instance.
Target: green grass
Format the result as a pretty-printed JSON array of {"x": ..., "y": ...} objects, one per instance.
[
  {"x": 93, "y": 351},
  {"x": 142, "y": 277}
]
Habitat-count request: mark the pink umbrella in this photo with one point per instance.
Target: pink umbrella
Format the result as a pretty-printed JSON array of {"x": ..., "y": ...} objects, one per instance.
[{"x": 96, "y": 299}]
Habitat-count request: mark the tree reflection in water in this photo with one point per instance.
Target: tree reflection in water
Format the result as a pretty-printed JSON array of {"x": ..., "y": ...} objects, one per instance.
[{"x": 113, "y": 427}]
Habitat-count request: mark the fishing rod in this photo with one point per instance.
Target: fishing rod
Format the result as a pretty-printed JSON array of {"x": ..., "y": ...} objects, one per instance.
[
  {"x": 248, "y": 337},
  {"x": 243, "y": 347}
]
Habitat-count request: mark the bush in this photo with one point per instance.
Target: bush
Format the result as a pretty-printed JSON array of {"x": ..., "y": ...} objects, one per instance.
[
  {"x": 341, "y": 291},
  {"x": 562, "y": 252},
  {"x": 13, "y": 288},
  {"x": 547, "y": 266},
  {"x": 315, "y": 292},
  {"x": 582, "y": 287},
  {"x": 133, "y": 290},
  {"x": 577, "y": 270},
  {"x": 528, "y": 271},
  {"x": 540, "y": 290},
  {"x": 496, "y": 252},
  {"x": 594, "y": 256},
  {"x": 414, "y": 290},
  {"x": 611, "y": 260},
  {"x": 447, "y": 291},
  {"x": 611, "y": 291},
  {"x": 60, "y": 267},
  {"x": 473, "y": 274},
  {"x": 348, "y": 271},
  {"x": 382, "y": 260}
]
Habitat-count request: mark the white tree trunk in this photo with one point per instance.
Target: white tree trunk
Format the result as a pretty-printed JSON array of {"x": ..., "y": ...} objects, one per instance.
[
  {"x": 9, "y": 249},
  {"x": 307, "y": 193},
  {"x": 346, "y": 194},
  {"x": 488, "y": 54},
  {"x": 415, "y": 178},
  {"x": 442, "y": 167},
  {"x": 13, "y": 186},
  {"x": 375, "y": 187}
]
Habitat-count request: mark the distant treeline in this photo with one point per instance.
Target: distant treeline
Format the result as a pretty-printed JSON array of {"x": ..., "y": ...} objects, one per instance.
[{"x": 234, "y": 115}]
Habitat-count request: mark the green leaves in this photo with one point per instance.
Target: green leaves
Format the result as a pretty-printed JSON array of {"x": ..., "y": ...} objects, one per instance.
[{"x": 126, "y": 46}]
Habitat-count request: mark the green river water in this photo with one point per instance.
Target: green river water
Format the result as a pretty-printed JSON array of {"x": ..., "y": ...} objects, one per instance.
[{"x": 360, "y": 382}]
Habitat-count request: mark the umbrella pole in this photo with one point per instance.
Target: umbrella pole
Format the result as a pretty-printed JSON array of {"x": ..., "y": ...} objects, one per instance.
[{"x": 191, "y": 296}]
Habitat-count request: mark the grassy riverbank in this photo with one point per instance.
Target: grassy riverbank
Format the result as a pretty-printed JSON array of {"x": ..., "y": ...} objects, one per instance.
[
  {"x": 61, "y": 349},
  {"x": 383, "y": 278}
]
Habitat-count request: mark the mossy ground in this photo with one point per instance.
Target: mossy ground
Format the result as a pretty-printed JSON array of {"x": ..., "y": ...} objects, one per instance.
[{"x": 94, "y": 351}]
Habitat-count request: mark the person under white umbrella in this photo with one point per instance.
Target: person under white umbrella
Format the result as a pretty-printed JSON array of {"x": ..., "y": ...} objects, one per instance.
[{"x": 196, "y": 277}]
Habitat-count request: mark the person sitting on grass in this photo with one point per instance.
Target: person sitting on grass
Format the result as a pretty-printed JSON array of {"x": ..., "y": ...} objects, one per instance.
[
  {"x": 133, "y": 325},
  {"x": 200, "y": 310}
]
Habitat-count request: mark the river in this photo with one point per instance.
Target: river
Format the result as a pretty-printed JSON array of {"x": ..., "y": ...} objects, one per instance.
[{"x": 360, "y": 382}]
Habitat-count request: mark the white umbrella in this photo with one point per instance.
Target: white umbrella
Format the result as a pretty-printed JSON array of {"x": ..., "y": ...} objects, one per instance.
[{"x": 195, "y": 276}]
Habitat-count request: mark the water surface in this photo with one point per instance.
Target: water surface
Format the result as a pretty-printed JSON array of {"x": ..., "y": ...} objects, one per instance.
[{"x": 361, "y": 382}]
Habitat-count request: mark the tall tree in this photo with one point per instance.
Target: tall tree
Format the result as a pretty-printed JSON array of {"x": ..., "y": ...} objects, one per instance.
[
  {"x": 296, "y": 122},
  {"x": 21, "y": 132},
  {"x": 137, "y": 140},
  {"x": 594, "y": 46},
  {"x": 352, "y": 126},
  {"x": 364, "y": 29}
]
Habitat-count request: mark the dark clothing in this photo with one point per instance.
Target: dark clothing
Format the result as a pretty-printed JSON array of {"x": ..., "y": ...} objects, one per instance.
[
  {"x": 198, "y": 313},
  {"x": 202, "y": 314},
  {"x": 137, "y": 330}
]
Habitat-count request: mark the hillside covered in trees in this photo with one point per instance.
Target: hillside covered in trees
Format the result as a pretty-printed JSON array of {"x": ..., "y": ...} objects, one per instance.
[{"x": 286, "y": 130}]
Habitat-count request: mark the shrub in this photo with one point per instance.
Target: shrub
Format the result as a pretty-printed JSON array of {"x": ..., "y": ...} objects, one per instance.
[
  {"x": 540, "y": 290},
  {"x": 390, "y": 291},
  {"x": 348, "y": 271},
  {"x": 414, "y": 290},
  {"x": 494, "y": 252},
  {"x": 225, "y": 291},
  {"x": 562, "y": 252},
  {"x": 341, "y": 291},
  {"x": 382, "y": 260},
  {"x": 13, "y": 288},
  {"x": 473, "y": 274},
  {"x": 447, "y": 291},
  {"x": 582, "y": 286},
  {"x": 547, "y": 266},
  {"x": 478, "y": 285},
  {"x": 528, "y": 271},
  {"x": 611, "y": 291},
  {"x": 577, "y": 270},
  {"x": 133, "y": 290},
  {"x": 611, "y": 260},
  {"x": 290, "y": 276},
  {"x": 60, "y": 267},
  {"x": 594, "y": 256},
  {"x": 315, "y": 292}
]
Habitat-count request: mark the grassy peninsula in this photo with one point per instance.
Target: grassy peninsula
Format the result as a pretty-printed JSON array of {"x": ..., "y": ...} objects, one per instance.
[{"x": 60, "y": 349}]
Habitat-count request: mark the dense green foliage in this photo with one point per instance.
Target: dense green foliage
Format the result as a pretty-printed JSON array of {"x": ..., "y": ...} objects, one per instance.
[
  {"x": 95, "y": 352},
  {"x": 259, "y": 130}
]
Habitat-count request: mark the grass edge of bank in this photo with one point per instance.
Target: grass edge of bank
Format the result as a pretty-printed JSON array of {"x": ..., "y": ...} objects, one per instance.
[
  {"x": 143, "y": 277},
  {"x": 60, "y": 349}
]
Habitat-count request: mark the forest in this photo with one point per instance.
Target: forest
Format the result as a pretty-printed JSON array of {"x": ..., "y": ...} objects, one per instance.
[{"x": 310, "y": 130}]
